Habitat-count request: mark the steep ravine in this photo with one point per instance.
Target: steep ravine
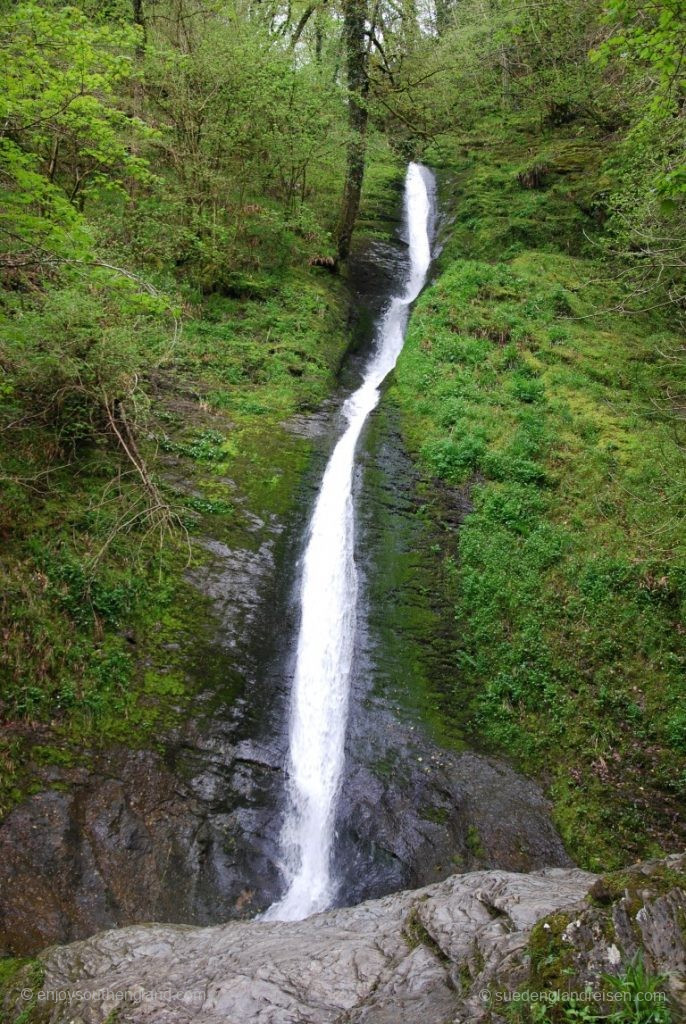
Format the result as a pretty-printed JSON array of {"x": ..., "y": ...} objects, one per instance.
[{"x": 187, "y": 832}]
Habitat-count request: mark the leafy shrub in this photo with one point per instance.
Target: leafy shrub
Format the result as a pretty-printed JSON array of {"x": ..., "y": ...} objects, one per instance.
[
  {"x": 452, "y": 460},
  {"x": 676, "y": 731},
  {"x": 507, "y": 466},
  {"x": 526, "y": 388},
  {"x": 512, "y": 505}
]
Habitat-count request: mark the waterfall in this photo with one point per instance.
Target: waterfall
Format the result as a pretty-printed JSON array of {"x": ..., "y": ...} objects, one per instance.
[{"x": 328, "y": 599}]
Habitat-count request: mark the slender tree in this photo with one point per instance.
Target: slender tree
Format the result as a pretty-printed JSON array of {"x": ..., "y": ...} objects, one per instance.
[
  {"x": 357, "y": 59},
  {"x": 139, "y": 18}
]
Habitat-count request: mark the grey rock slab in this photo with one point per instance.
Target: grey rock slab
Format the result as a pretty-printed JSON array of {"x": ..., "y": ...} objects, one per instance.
[
  {"x": 497, "y": 904},
  {"x": 392, "y": 959}
]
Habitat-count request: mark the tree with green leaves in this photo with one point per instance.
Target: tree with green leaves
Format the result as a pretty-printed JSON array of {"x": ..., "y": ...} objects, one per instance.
[{"x": 64, "y": 139}]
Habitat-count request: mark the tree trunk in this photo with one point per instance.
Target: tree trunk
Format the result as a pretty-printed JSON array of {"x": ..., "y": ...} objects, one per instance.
[
  {"x": 139, "y": 19},
  {"x": 300, "y": 27},
  {"x": 138, "y": 13},
  {"x": 355, "y": 16},
  {"x": 319, "y": 30},
  {"x": 505, "y": 78}
]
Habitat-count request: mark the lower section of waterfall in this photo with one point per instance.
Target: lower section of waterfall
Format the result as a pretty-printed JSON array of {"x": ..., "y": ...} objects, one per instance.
[{"x": 328, "y": 602}]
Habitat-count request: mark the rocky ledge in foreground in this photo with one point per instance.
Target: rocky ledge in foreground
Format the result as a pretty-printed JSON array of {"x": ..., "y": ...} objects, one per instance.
[{"x": 451, "y": 952}]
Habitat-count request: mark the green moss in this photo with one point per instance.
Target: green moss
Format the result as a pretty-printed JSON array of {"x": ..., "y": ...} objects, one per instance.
[
  {"x": 52, "y": 755},
  {"x": 465, "y": 979},
  {"x": 20, "y": 982},
  {"x": 105, "y": 640},
  {"x": 409, "y": 588},
  {"x": 474, "y": 844},
  {"x": 387, "y": 766},
  {"x": 552, "y": 971},
  {"x": 9, "y": 969},
  {"x": 521, "y": 382},
  {"x": 550, "y": 958},
  {"x": 439, "y": 815},
  {"x": 416, "y": 935},
  {"x": 647, "y": 881}
]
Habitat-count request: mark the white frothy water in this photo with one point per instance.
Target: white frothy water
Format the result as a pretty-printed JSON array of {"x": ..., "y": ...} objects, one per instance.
[{"x": 328, "y": 598}]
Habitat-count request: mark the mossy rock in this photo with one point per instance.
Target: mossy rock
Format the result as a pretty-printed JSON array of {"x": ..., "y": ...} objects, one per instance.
[{"x": 551, "y": 958}]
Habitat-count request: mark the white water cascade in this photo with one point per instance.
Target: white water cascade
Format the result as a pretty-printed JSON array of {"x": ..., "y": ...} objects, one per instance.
[{"x": 328, "y": 599}]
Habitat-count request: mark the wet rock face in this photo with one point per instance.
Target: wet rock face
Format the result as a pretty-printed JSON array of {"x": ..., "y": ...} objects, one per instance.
[
  {"x": 188, "y": 835},
  {"x": 135, "y": 841},
  {"x": 440, "y": 813},
  {"x": 195, "y": 839},
  {"x": 448, "y": 952}
]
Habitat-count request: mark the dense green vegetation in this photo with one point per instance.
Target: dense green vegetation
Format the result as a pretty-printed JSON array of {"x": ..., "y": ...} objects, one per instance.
[
  {"x": 91, "y": 600},
  {"x": 546, "y": 377},
  {"x": 158, "y": 323},
  {"x": 178, "y": 181},
  {"x": 570, "y": 568}
]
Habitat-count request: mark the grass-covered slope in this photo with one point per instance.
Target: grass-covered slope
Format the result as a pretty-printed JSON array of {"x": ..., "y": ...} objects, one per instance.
[
  {"x": 101, "y": 632},
  {"x": 524, "y": 375}
]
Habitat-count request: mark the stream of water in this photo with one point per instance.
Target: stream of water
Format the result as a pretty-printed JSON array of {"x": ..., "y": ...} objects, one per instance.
[{"x": 328, "y": 602}]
